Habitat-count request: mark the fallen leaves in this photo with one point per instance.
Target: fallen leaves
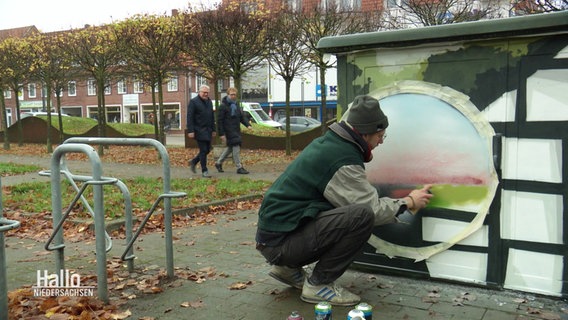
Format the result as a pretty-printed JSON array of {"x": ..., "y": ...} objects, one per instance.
[
  {"x": 193, "y": 304},
  {"x": 148, "y": 155},
  {"x": 240, "y": 285},
  {"x": 23, "y": 305},
  {"x": 122, "y": 286}
]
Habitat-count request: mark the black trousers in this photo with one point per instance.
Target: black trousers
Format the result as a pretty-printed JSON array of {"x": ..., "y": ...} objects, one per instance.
[
  {"x": 332, "y": 239},
  {"x": 204, "y": 149}
]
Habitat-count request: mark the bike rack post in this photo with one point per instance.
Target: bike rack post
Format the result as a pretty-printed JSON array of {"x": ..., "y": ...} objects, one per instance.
[
  {"x": 99, "y": 217},
  {"x": 5, "y": 225}
]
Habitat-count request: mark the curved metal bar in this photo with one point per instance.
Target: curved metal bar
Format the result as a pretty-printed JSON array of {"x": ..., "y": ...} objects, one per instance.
[
  {"x": 78, "y": 196},
  {"x": 130, "y": 243},
  {"x": 56, "y": 160},
  {"x": 6, "y": 224}
]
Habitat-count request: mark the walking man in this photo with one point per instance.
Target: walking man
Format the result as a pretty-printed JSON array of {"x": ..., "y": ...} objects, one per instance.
[
  {"x": 201, "y": 127},
  {"x": 229, "y": 119}
]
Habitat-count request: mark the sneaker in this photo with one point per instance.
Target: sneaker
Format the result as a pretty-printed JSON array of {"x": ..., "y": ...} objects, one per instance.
[
  {"x": 293, "y": 277},
  {"x": 219, "y": 167},
  {"x": 242, "y": 171},
  {"x": 332, "y": 293},
  {"x": 192, "y": 166},
  {"x": 205, "y": 174}
]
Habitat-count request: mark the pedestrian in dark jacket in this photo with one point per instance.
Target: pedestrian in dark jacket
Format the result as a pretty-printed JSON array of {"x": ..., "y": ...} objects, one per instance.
[
  {"x": 201, "y": 127},
  {"x": 323, "y": 209},
  {"x": 229, "y": 119}
]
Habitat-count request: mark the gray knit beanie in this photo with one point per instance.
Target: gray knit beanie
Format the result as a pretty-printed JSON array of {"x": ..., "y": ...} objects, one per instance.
[{"x": 366, "y": 116}]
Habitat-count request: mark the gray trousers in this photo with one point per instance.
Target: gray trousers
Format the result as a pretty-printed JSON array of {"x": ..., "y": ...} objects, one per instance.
[
  {"x": 333, "y": 239},
  {"x": 236, "y": 150}
]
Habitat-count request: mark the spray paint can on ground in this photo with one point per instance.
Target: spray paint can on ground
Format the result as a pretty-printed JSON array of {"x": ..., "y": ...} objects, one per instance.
[
  {"x": 323, "y": 311},
  {"x": 295, "y": 316},
  {"x": 356, "y": 315},
  {"x": 367, "y": 310}
]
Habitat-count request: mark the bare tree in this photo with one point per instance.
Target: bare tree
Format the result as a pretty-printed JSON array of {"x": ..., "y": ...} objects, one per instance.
[
  {"x": 437, "y": 12},
  {"x": 51, "y": 67},
  {"x": 152, "y": 47},
  {"x": 15, "y": 66},
  {"x": 522, "y": 7},
  {"x": 202, "y": 51},
  {"x": 96, "y": 52},
  {"x": 4, "y": 87},
  {"x": 237, "y": 34},
  {"x": 287, "y": 56},
  {"x": 331, "y": 20}
]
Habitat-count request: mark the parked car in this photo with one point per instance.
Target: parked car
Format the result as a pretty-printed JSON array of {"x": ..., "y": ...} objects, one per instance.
[
  {"x": 41, "y": 113},
  {"x": 257, "y": 115},
  {"x": 299, "y": 124}
]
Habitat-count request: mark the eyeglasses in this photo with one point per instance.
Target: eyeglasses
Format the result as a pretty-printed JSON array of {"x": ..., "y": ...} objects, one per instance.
[
  {"x": 204, "y": 92},
  {"x": 383, "y": 137},
  {"x": 232, "y": 94}
]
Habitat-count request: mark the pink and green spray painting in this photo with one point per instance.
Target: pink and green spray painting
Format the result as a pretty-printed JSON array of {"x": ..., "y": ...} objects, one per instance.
[{"x": 435, "y": 136}]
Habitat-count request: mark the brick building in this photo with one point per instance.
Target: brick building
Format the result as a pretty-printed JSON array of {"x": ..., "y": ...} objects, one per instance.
[{"x": 126, "y": 100}]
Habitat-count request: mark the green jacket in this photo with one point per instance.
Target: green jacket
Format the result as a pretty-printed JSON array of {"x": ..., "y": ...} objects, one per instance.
[{"x": 328, "y": 173}]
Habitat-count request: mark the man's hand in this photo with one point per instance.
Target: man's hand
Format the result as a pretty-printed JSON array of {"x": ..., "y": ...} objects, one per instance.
[
  {"x": 419, "y": 198},
  {"x": 224, "y": 139},
  {"x": 191, "y": 135}
]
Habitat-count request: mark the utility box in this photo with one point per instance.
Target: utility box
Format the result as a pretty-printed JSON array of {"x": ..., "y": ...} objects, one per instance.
[{"x": 480, "y": 111}]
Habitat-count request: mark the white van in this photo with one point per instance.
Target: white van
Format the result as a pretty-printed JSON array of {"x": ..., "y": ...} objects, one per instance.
[
  {"x": 40, "y": 113},
  {"x": 257, "y": 115}
]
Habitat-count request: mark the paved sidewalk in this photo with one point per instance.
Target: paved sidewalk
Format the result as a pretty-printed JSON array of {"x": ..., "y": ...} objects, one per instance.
[{"x": 234, "y": 283}]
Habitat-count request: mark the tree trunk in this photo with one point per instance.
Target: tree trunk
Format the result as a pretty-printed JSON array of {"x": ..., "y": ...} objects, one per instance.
[{"x": 4, "y": 122}]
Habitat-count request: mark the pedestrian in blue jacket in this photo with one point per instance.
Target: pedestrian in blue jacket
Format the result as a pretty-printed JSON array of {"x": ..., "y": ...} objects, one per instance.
[{"x": 229, "y": 119}]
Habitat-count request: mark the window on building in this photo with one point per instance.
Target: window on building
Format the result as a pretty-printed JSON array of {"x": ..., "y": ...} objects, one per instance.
[
  {"x": 31, "y": 90},
  {"x": 108, "y": 88},
  {"x": 220, "y": 86},
  {"x": 21, "y": 92},
  {"x": 295, "y": 5},
  {"x": 121, "y": 86},
  {"x": 342, "y": 4},
  {"x": 8, "y": 94},
  {"x": 171, "y": 114},
  {"x": 138, "y": 87},
  {"x": 91, "y": 87},
  {"x": 201, "y": 80},
  {"x": 173, "y": 84},
  {"x": 71, "y": 88},
  {"x": 113, "y": 114}
]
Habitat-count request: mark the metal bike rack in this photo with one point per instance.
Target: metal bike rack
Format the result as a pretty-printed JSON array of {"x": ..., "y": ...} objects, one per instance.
[
  {"x": 59, "y": 167},
  {"x": 166, "y": 196},
  {"x": 5, "y": 225}
]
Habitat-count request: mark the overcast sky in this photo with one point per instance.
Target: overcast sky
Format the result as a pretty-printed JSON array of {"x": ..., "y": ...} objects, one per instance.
[{"x": 55, "y": 15}]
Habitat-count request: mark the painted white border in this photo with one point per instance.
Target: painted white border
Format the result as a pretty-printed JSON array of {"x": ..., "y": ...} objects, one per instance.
[{"x": 463, "y": 104}]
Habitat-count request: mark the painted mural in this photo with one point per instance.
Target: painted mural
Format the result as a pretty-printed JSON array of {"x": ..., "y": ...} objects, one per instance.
[
  {"x": 486, "y": 121},
  {"x": 448, "y": 145}
]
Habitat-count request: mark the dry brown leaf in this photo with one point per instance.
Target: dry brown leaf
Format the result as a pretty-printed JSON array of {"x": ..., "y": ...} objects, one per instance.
[{"x": 240, "y": 285}]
